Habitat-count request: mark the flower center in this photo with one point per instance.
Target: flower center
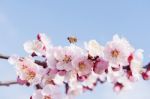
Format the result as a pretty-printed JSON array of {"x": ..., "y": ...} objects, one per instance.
[
  {"x": 67, "y": 59},
  {"x": 49, "y": 81},
  {"x": 30, "y": 75},
  {"x": 115, "y": 53},
  {"x": 81, "y": 66},
  {"x": 47, "y": 97}
]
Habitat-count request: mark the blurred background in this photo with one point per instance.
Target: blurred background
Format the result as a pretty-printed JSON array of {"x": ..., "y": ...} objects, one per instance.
[{"x": 86, "y": 19}]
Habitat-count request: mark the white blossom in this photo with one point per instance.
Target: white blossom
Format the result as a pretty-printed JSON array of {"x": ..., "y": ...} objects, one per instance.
[
  {"x": 117, "y": 51},
  {"x": 94, "y": 48}
]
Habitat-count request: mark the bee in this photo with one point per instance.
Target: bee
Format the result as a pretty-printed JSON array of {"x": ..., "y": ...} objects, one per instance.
[{"x": 72, "y": 39}]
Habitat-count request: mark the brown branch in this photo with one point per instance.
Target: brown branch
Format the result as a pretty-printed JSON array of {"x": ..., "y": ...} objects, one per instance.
[
  {"x": 8, "y": 83},
  {"x": 3, "y": 56}
]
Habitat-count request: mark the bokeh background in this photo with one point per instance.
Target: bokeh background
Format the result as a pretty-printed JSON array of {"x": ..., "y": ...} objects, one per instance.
[{"x": 21, "y": 20}]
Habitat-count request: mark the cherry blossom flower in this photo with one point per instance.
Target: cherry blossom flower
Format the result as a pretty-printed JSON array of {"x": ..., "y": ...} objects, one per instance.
[
  {"x": 64, "y": 57},
  {"x": 118, "y": 50},
  {"x": 75, "y": 88},
  {"x": 58, "y": 80},
  {"x": 50, "y": 58},
  {"x": 114, "y": 75},
  {"x": 48, "y": 77},
  {"x": 38, "y": 46},
  {"x": 136, "y": 65},
  {"x": 94, "y": 48},
  {"x": 82, "y": 65},
  {"x": 70, "y": 76},
  {"x": 48, "y": 92},
  {"x": 90, "y": 81},
  {"x": 45, "y": 41},
  {"x": 34, "y": 47},
  {"x": 26, "y": 69}
]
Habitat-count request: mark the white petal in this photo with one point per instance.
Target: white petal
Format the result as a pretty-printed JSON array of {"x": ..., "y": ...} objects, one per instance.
[{"x": 37, "y": 95}]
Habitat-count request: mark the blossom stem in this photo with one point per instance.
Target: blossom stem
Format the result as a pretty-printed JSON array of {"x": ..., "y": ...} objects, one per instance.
[
  {"x": 8, "y": 83},
  {"x": 3, "y": 56}
]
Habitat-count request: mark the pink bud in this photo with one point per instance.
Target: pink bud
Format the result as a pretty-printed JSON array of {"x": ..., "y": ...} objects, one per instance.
[
  {"x": 118, "y": 87},
  {"x": 100, "y": 66},
  {"x": 145, "y": 76}
]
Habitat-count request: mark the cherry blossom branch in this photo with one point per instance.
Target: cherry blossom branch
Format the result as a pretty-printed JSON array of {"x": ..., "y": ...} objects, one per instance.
[
  {"x": 8, "y": 83},
  {"x": 41, "y": 63},
  {"x": 79, "y": 69},
  {"x": 3, "y": 56}
]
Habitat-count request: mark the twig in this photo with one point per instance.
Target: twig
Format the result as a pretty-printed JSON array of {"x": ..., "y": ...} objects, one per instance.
[
  {"x": 41, "y": 63},
  {"x": 3, "y": 56},
  {"x": 8, "y": 83}
]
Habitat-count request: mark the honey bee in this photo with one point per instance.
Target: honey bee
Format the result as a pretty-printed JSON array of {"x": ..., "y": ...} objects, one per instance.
[{"x": 72, "y": 39}]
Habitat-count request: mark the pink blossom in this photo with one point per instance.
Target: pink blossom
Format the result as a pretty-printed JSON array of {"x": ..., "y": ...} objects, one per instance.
[
  {"x": 90, "y": 81},
  {"x": 26, "y": 69},
  {"x": 48, "y": 77},
  {"x": 94, "y": 48},
  {"x": 82, "y": 65},
  {"x": 136, "y": 65},
  {"x": 75, "y": 88},
  {"x": 39, "y": 46},
  {"x": 34, "y": 47},
  {"x": 122, "y": 84},
  {"x": 77, "y": 68},
  {"x": 50, "y": 58},
  {"x": 118, "y": 50},
  {"x": 45, "y": 40},
  {"x": 48, "y": 92},
  {"x": 100, "y": 66},
  {"x": 64, "y": 57}
]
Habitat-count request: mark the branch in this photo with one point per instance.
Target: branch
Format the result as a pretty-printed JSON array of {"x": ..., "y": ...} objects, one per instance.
[
  {"x": 41, "y": 63},
  {"x": 3, "y": 56},
  {"x": 8, "y": 83}
]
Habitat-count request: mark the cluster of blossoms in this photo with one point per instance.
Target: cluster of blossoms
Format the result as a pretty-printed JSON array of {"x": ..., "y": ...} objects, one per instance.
[{"x": 49, "y": 67}]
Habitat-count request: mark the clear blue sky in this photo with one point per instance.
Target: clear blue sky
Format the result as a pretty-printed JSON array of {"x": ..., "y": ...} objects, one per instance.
[{"x": 87, "y": 19}]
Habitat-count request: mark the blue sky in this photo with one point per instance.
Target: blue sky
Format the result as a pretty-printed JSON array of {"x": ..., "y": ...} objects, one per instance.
[{"x": 87, "y": 19}]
